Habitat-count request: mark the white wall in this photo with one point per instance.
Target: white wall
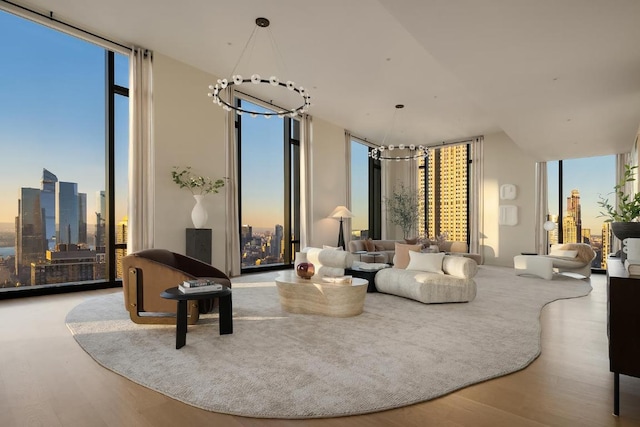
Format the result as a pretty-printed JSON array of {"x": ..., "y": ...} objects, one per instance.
[
  {"x": 506, "y": 163},
  {"x": 188, "y": 131},
  {"x": 328, "y": 182}
]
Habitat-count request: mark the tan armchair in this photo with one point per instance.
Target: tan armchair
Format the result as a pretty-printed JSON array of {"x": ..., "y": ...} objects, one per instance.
[
  {"x": 149, "y": 272},
  {"x": 572, "y": 258}
]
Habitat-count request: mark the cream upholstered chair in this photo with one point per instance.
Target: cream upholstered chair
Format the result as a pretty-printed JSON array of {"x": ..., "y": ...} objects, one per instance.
[
  {"x": 572, "y": 258},
  {"x": 149, "y": 272}
]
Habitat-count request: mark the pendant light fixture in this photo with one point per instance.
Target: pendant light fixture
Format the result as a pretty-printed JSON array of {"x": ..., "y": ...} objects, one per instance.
[{"x": 217, "y": 90}]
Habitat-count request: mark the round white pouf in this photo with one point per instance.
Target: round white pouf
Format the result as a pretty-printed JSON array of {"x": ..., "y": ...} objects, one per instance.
[{"x": 533, "y": 265}]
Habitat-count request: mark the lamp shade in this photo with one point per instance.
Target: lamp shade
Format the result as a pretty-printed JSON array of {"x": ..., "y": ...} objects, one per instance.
[
  {"x": 341, "y": 212},
  {"x": 549, "y": 225}
]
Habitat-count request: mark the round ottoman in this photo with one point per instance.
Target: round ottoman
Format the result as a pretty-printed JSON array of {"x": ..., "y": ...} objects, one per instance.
[{"x": 533, "y": 265}]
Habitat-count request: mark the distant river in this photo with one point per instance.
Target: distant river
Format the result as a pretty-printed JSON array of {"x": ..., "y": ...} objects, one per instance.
[{"x": 7, "y": 251}]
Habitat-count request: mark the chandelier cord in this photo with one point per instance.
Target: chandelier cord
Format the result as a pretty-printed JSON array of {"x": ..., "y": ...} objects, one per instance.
[
  {"x": 281, "y": 67},
  {"x": 390, "y": 129},
  {"x": 244, "y": 50}
]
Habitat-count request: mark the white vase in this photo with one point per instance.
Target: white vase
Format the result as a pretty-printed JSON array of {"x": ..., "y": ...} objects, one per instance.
[{"x": 199, "y": 213}]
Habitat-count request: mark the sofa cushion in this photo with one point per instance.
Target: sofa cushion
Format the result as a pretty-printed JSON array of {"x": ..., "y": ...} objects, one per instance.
[
  {"x": 356, "y": 246},
  {"x": 369, "y": 246},
  {"x": 401, "y": 257},
  {"x": 425, "y": 287},
  {"x": 429, "y": 262},
  {"x": 459, "y": 266},
  {"x": 564, "y": 253}
]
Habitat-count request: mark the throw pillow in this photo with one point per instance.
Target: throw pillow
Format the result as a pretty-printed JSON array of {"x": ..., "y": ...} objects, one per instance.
[
  {"x": 563, "y": 253},
  {"x": 369, "y": 246},
  {"x": 431, "y": 263},
  {"x": 401, "y": 257}
]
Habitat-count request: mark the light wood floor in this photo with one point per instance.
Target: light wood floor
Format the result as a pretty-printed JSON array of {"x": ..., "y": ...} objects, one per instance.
[{"x": 46, "y": 379}]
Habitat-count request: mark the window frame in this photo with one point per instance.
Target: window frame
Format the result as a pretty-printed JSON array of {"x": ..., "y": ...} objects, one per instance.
[
  {"x": 291, "y": 187},
  {"x": 112, "y": 90}
]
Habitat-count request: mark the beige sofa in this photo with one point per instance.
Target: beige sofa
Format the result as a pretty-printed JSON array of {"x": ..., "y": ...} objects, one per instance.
[
  {"x": 455, "y": 285},
  {"x": 387, "y": 250}
]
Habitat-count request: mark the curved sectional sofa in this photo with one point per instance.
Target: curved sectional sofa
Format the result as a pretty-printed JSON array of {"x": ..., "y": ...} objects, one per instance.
[{"x": 453, "y": 284}]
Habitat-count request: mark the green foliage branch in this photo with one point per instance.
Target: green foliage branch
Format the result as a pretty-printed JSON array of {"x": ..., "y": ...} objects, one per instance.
[
  {"x": 628, "y": 207},
  {"x": 196, "y": 184},
  {"x": 402, "y": 209}
]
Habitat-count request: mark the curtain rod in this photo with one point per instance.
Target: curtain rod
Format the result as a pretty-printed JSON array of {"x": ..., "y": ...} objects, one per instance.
[{"x": 70, "y": 26}]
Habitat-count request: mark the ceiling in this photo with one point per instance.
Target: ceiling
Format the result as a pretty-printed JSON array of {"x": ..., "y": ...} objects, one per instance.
[{"x": 560, "y": 77}]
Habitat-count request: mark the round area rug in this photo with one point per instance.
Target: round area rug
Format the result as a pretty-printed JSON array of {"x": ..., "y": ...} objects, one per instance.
[{"x": 280, "y": 365}]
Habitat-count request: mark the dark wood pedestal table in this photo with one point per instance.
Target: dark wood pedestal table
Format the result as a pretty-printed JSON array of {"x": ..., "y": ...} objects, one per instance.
[{"x": 226, "y": 319}]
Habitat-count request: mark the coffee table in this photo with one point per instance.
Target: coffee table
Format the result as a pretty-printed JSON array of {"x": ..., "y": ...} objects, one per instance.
[
  {"x": 226, "y": 318},
  {"x": 313, "y": 296}
]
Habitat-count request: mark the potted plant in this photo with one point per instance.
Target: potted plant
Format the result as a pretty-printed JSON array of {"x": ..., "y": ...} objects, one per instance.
[
  {"x": 624, "y": 215},
  {"x": 199, "y": 186},
  {"x": 402, "y": 209}
]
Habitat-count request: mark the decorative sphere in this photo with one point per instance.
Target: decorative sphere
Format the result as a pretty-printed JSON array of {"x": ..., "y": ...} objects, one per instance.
[{"x": 305, "y": 270}]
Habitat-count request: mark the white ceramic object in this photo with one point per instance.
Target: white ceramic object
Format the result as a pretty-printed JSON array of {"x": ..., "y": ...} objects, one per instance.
[{"x": 199, "y": 213}]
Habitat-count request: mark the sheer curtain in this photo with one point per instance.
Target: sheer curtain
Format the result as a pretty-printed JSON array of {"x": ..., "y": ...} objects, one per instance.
[
  {"x": 232, "y": 229},
  {"x": 306, "y": 195},
  {"x": 476, "y": 197},
  {"x": 141, "y": 166},
  {"x": 541, "y": 208}
]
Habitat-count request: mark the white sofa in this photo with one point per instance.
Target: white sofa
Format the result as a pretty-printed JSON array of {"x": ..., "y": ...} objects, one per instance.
[
  {"x": 329, "y": 262},
  {"x": 455, "y": 285}
]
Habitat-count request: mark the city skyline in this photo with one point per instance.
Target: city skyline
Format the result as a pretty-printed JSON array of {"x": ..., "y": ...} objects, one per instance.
[{"x": 52, "y": 113}]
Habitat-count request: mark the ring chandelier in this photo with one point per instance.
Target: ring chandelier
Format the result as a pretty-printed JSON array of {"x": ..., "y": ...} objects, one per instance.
[
  {"x": 237, "y": 80},
  {"x": 392, "y": 152},
  {"x": 384, "y": 152}
]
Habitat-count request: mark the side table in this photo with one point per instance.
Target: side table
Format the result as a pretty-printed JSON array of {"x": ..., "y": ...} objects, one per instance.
[
  {"x": 368, "y": 275},
  {"x": 226, "y": 318}
]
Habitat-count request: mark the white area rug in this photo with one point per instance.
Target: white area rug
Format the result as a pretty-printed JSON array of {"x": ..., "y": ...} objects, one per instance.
[{"x": 281, "y": 365}]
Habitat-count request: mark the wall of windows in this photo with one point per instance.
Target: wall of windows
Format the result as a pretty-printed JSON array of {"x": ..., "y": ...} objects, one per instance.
[
  {"x": 365, "y": 193},
  {"x": 359, "y": 190},
  {"x": 63, "y": 138},
  {"x": 269, "y": 152},
  {"x": 443, "y": 193},
  {"x": 574, "y": 187}
]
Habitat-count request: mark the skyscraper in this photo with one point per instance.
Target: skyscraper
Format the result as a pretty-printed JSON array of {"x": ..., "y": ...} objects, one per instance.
[
  {"x": 121, "y": 238},
  {"x": 276, "y": 242},
  {"x": 442, "y": 193},
  {"x": 30, "y": 240},
  {"x": 67, "y": 217},
  {"x": 48, "y": 205},
  {"x": 101, "y": 214},
  {"x": 573, "y": 234},
  {"x": 82, "y": 218}
]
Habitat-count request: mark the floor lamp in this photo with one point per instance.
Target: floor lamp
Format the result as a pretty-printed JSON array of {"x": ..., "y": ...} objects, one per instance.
[{"x": 341, "y": 212}]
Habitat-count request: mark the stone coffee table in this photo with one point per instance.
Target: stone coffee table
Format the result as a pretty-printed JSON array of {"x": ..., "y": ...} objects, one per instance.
[{"x": 313, "y": 296}]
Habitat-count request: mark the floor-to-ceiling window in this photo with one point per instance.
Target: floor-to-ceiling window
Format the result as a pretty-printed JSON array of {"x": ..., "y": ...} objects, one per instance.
[
  {"x": 61, "y": 147},
  {"x": 443, "y": 193},
  {"x": 574, "y": 187},
  {"x": 365, "y": 192},
  {"x": 359, "y": 190},
  {"x": 269, "y": 152}
]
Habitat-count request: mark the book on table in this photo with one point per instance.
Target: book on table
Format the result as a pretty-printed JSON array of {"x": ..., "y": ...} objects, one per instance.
[
  {"x": 196, "y": 283},
  {"x": 199, "y": 285}
]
